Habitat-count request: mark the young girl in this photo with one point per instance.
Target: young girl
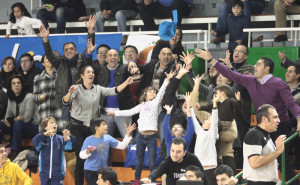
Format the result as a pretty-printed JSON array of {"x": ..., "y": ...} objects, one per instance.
[
  {"x": 149, "y": 109},
  {"x": 21, "y": 19}
]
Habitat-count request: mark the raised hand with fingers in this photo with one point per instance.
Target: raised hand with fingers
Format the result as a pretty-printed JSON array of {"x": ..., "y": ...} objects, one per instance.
[
  {"x": 226, "y": 60},
  {"x": 168, "y": 108},
  {"x": 130, "y": 128},
  {"x": 203, "y": 54},
  {"x": 280, "y": 143},
  {"x": 198, "y": 79},
  {"x": 90, "y": 25},
  {"x": 187, "y": 58},
  {"x": 90, "y": 47},
  {"x": 182, "y": 71},
  {"x": 170, "y": 75},
  {"x": 44, "y": 32}
]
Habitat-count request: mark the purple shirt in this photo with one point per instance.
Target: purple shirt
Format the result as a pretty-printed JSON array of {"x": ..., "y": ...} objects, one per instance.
[{"x": 274, "y": 92}]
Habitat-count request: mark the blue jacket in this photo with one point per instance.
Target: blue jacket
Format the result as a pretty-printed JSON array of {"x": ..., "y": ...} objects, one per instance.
[
  {"x": 235, "y": 26},
  {"x": 52, "y": 160}
]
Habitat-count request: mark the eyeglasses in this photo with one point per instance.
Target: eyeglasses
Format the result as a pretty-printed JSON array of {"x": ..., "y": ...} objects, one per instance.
[
  {"x": 22, "y": 61},
  {"x": 239, "y": 51},
  {"x": 102, "y": 53},
  {"x": 129, "y": 53}
]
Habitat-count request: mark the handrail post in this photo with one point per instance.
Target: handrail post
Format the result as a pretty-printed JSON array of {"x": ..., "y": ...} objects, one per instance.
[{"x": 283, "y": 178}]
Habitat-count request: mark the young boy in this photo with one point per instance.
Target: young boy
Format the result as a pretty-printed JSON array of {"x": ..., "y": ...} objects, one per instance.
[
  {"x": 235, "y": 25},
  {"x": 227, "y": 127},
  {"x": 177, "y": 129},
  {"x": 51, "y": 147},
  {"x": 96, "y": 147}
]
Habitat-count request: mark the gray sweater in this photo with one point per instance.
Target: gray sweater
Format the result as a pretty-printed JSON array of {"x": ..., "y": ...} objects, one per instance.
[
  {"x": 27, "y": 109},
  {"x": 86, "y": 103}
]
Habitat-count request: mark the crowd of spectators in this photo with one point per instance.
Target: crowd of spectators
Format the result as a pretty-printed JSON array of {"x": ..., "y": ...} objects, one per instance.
[{"x": 86, "y": 100}]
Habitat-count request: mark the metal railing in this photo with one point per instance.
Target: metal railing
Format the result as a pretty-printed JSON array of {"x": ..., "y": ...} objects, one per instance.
[
  {"x": 283, "y": 162},
  {"x": 283, "y": 177}
]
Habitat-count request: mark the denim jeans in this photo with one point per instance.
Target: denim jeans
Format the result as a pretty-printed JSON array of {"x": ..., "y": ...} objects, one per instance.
[
  {"x": 22, "y": 130},
  {"x": 59, "y": 15},
  {"x": 113, "y": 121},
  {"x": 250, "y": 7},
  {"x": 160, "y": 122},
  {"x": 121, "y": 17},
  {"x": 141, "y": 142}
]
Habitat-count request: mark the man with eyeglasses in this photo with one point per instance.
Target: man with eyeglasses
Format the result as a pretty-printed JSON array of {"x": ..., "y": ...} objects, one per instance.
[
  {"x": 264, "y": 88},
  {"x": 243, "y": 116},
  {"x": 101, "y": 54},
  {"x": 11, "y": 173},
  {"x": 28, "y": 70}
]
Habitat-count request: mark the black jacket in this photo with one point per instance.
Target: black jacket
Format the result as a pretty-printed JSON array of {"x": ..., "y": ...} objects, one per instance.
[
  {"x": 64, "y": 76},
  {"x": 121, "y": 74},
  {"x": 176, "y": 170},
  {"x": 78, "y": 5},
  {"x": 178, "y": 49},
  {"x": 29, "y": 77},
  {"x": 3, "y": 104},
  {"x": 148, "y": 71}
]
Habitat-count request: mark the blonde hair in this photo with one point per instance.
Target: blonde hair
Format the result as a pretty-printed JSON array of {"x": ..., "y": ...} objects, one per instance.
[
  {"x": 144, "y": 93},
  {"x": 44, "y": 122}
]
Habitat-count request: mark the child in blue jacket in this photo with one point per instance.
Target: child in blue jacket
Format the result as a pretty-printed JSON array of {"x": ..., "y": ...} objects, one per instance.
[{"x": 52, "y": 164}]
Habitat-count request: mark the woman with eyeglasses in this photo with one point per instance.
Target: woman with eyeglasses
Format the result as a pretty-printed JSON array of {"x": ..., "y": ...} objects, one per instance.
[{"x": 21, "y": 119}]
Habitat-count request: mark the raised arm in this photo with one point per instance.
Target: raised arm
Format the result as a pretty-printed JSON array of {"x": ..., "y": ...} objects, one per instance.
[{"x": 166, "y": 127}]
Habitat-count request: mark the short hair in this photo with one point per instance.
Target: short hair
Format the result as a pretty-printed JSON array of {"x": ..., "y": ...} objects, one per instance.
[
  {"x": 144, "y": 93},
  {"x": 238, "y": 3},
  {"x": 95, "y": 122},
  {"x": 224, "y": 169},
  {"x": 131, "y": 46},
  {"x": 104, "y": 46},
  {"x": 247, "y": 50},
  {"x": 69, "y": 43},
  {"x": 297, "y": 67},
  {"x": 224, "y": 88},
  {"x": 27, "y": 55},
  {"x": 183, "y": 130},
  {"x": 108, "y": 174},
  {"x": 196, "y": 170},
  {"x": 263, "y": 111},
  {"x": 268, "y": 62},
  {"x": 44, "y": 122},
  {"x": 178, "y": 141}
]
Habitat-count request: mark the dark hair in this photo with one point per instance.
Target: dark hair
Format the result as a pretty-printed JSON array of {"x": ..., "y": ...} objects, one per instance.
[
  {"x": 196, "y": 170},
  {"x": 237, "y": 3},
  {"x": 81, "y": 72},
  {"x": 95, "y": 122},
  {"x": 69, "y": 43},
  {"x": 178, "y": 141},
  {"x": 131, "y": 46},
  {"x": 10, "y": 93},
  {"x": 6, "y": 59},
  {"x": 144, "y": 93},
  {"x": 23, "y": 9},
  {"x": 297, "y": 69},
  {"x": 224, "y": 169},
  {"x": 268, "y": 62},
  {"x": 224, "y": 88},
  {"x": 108, "y": 174},
  {"x": 27, "y": 55},
  {"x": 44, "y": 122},
  {"x": 103, "y": 45},
  {"x": 263, "y": 111},
  {"x": 56, "y": 53}
]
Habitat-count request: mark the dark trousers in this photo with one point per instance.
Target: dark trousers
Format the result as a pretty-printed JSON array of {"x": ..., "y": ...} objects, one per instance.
[
  {"x": 284, "y": 128},
  {"x": 81, "y": 132},
  {"x": 47, "y": 181},
  {"x": 211, "y": 177},
  {"x": 227, "y": 160},
  {"x": 156, "y": 10},
  {"x": 91, "y": 177}
]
